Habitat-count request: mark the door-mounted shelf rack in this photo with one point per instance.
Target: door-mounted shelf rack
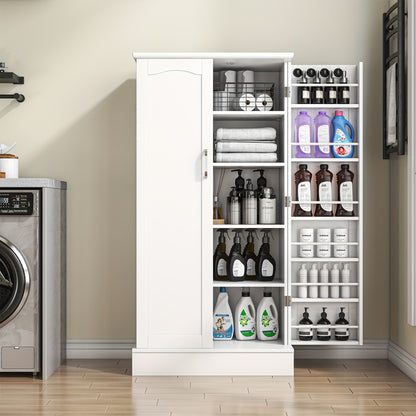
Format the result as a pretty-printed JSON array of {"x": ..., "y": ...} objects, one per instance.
[{"x": 12, "y": 78}]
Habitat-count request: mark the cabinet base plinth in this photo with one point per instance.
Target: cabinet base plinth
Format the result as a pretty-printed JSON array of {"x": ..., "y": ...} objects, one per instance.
[{"x": 212, "y": 363}]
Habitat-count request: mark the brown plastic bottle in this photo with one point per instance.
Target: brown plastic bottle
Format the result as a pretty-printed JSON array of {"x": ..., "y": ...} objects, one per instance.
[
  {"x": 345, "y": 192},
  {"x": 303, "y": 180},
  {"x": 324, "y": 185}
]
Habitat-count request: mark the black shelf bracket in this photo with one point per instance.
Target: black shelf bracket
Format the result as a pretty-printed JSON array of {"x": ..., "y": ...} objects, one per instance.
[
  {"x": 18, "y": 97},
  {"x": 11, "y": 78}
]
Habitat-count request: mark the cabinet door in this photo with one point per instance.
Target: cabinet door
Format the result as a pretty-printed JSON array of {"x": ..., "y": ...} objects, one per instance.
[{"x": 174, "y": 196}]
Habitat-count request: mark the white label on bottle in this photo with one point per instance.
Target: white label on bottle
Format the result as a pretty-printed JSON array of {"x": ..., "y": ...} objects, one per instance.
[
  {"x": 333, "y": 94},
  {"x": 222, "y": 268},
  {"x": 251, "y": 267},
  {"x": 346, "y": 94},
  {"x": 319, "y": 94},
  {"x": 342, "y": 332},
  {"x": 323, "y": 332},
  {"x": 345, "y": 193},
  {"x": 238, "y": 269},
  {"x": 306, "y": 95},
  {"x": 305, "y": 332},
  {"x": 267, "y": 268},
  {"x": 305, "y": 137},
  {"x": 325, "y": 194},
  {"x": 323, "y": 137},
  {"x": 304, "y": 195},
  {"x": 267, "y": 209}
]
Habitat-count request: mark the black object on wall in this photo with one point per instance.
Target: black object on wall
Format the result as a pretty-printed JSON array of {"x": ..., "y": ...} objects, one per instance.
[{"x": 394, "y": 54}]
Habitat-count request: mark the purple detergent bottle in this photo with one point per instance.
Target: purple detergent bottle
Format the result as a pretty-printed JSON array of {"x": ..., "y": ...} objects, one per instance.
[
  {"x": 303, "y": 124},
  {"x": 322, "y": 124}
]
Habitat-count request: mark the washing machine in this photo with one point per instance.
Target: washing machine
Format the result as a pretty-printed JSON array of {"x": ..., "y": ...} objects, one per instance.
[{"x": 32, "y": 277}]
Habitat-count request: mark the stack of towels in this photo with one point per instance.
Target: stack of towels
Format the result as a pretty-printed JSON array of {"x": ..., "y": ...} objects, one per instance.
[{"x": 246, "y": 145}]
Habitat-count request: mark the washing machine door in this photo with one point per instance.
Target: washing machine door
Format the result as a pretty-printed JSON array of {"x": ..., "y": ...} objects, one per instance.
[{"x": 14, "y": 281}]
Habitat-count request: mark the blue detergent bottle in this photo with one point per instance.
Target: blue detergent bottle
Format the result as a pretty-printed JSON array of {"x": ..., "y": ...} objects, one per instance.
[{"x": 341, "y": 138}]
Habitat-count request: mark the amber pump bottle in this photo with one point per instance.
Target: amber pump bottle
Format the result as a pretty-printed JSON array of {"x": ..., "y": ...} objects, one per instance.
[
  {"x": 303, "y": 180},
  {"x": 345, "y": 192},
  {"x": 324, "y": 185}
]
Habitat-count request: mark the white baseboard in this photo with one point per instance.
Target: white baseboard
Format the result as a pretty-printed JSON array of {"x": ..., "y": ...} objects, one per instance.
[
  {"x": 372, "y": 349},
  {"x": 122, "y": 349},
  {"x": 402, "y": 360},
  {"x": 99, "y": 349}
]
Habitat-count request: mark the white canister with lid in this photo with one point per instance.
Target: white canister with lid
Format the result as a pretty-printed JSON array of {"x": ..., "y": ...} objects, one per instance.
[
  {"x": 323, "y": 235},
  {"x": 9, "y": 164},
  {"x": 306, "y": 235},
  {"x": 341, "y": 235}
]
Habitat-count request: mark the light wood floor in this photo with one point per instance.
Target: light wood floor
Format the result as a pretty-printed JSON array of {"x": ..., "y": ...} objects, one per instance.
[{"x": 319, "y": 388}]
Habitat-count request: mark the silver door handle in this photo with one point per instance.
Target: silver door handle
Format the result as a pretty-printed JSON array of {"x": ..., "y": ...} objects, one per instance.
[{"x": 205, "y": 164}]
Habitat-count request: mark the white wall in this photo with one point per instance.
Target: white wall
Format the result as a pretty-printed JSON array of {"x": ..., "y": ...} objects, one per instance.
[{"x": 78, "y": 122}]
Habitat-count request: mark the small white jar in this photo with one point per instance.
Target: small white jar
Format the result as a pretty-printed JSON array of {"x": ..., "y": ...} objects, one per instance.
[
  {"x": 306, "y": 250},
  {"x": 323, "y": 250},
  {"x": 340, "y": 250},
  {"x": 306, "y": 235},
  {"x": 323, "y": 235},
  {"x": 341, "y": 235}
]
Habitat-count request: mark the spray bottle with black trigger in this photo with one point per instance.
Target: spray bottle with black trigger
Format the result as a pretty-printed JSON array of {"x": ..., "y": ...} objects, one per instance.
[
  {"x": 250, "y": 256},
  {"x": 220, "y": 257},
  {"x": 236, "y": 264},
  {"x": 265, "y": 264}
]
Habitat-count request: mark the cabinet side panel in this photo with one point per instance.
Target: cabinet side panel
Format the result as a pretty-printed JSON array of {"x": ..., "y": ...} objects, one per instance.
[{"x": 169, "y": 204}]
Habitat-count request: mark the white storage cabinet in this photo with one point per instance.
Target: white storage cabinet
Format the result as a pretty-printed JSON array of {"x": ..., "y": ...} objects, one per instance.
[{"x": 176, "y": 237}]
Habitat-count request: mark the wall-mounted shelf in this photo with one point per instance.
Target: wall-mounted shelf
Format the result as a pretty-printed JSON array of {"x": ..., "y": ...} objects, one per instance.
[{"x": 11, "y": 78}]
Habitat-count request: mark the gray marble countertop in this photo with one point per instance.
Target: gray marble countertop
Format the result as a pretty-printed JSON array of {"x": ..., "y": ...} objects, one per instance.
[{"x": 32, "y": 183}]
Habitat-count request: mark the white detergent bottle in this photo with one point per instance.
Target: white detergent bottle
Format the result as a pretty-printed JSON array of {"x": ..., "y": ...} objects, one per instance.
[
  {"x": 245, "y": 317},
  {"x": 267, "y": 318},
  {"x": 223, "y": 329}
]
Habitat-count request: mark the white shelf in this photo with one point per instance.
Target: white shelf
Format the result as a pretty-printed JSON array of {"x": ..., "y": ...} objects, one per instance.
[
  {"x": 255, "y": 226},
  {"x": 335, "y": 84},
  {"x": 334, "y": 218},
  {"x": 248, "y": 115},
  {"x": 263, "y": 165},
  {"x": 325, "y": 202},
  {"x": 327, "y": 244},
  {"x": 326, "y": 144},
  {"x": 332, "y": 343},
  {"x": 326, "y": 326},
  {"x": 324, "y": 300},
  {"x": 326, "y": 160},
  {"x": 250, "y": 346},
  {"x": 248, "y": 283},
  {"x": 321, "y": 106},
  {"x": 324, "y": 259},
  {"x": 325, "y": 284}
]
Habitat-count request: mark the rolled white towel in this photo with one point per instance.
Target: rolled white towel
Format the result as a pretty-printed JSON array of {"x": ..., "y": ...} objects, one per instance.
[
  {"x": 246, "y": 147},
  {"x": 261, "y": 133},
  {"x": 246, "y": 157}
]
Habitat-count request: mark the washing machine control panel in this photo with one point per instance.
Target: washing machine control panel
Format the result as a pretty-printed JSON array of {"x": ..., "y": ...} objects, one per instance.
[{"x": 16, "y": 203}]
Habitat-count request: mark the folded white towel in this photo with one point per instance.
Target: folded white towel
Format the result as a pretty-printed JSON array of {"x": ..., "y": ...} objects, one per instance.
[
  {"x": 246, "y": 157},
  {"x": 391, "y": 105},
  {"x": 246, "y": 147},
  {"x": 261, "y": 133}
]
